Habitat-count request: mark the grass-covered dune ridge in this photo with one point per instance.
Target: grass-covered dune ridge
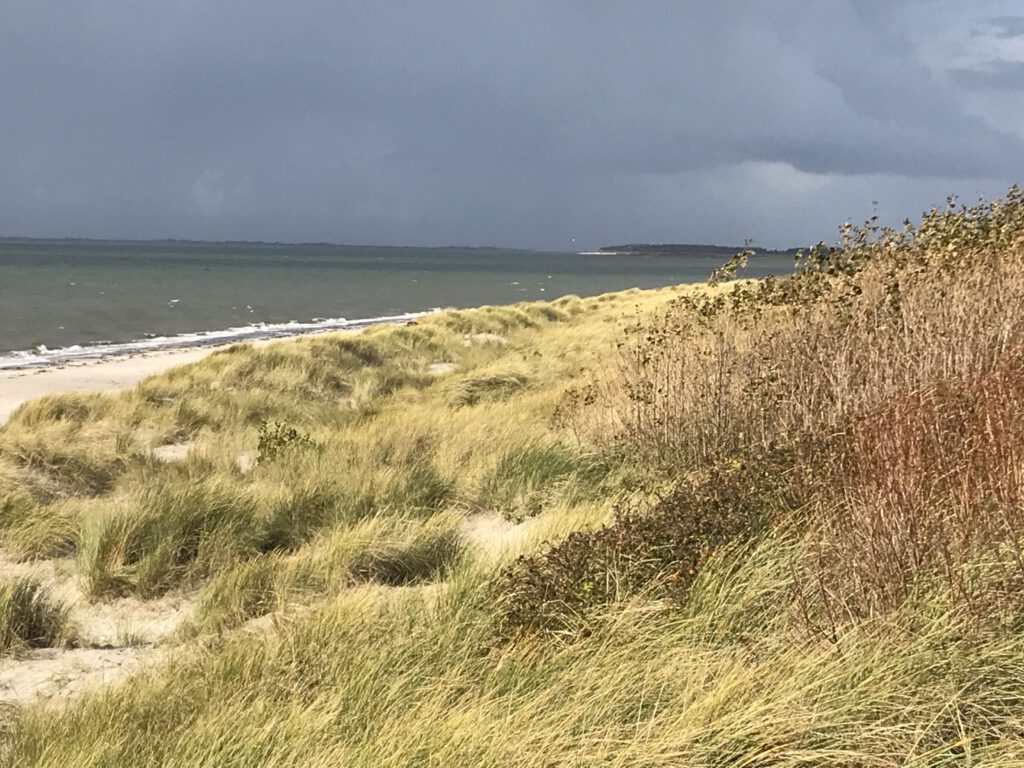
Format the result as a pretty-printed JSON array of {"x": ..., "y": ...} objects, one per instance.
[
  {"x": 761, "y": 523},
  {"x": 337, "y": 429}
]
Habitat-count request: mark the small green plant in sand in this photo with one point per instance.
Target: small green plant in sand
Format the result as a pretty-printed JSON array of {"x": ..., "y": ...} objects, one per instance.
[{"x": 275, "y": 438}]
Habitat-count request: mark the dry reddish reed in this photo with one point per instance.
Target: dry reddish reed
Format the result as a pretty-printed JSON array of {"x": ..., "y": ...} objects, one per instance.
[
  {"x": 693, "y": 390},
  {"x": 931, "y": 482},
  {"x": 900, "y": 352}
]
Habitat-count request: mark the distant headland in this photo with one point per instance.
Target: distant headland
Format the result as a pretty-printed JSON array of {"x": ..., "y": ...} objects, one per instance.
[{"x": 683, "y": 249}]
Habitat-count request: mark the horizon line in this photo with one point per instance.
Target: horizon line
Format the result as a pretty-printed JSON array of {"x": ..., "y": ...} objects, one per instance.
[{"x": 320, "y": 243}]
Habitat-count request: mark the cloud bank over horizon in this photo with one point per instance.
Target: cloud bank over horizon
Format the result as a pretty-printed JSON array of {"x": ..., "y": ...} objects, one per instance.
[{"x": 527, "y": 124}]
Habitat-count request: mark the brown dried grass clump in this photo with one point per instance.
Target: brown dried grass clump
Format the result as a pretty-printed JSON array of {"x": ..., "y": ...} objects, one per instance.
[
  {"x": 930, "y": 483},
  {"x": 898, "y": 355},
  {"x": 882, "y": 314}
]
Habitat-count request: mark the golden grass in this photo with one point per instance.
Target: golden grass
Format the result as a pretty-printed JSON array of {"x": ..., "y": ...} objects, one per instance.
[
  {"x": 76, "y": 471},
  {"x": 401, "y": 679},
  {"x": 30, "y": 617},
  {"x": 347, "y": 611}
]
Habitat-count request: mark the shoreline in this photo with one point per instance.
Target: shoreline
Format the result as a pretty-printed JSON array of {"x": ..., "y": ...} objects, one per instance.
[
  {"x": 43, "y": 358},
  {"x": 120, "y": 367},
  {"x": 121, "y": 371}
]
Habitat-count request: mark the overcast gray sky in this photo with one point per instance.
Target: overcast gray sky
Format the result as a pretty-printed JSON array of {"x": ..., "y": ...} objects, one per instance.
[{"x": 519, "y": 123}]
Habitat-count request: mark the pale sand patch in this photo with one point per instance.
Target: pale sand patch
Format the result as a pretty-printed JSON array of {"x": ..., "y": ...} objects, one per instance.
[
  {"x": 118, "y": 636},
  {"x": 104, "y": 622},
  {"x": 245, "y": 461},
  {"x": 131, "y": 619},
  {"x": 60, "y": 673},
  {"x": 172, "y": 452},
  {"x": 440, "y": 369},
  {"x": 490, "y": 533}
]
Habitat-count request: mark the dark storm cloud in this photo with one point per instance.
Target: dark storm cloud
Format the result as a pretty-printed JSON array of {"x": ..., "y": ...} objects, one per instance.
[
  {"x": 1005, "y": 76},
  {"x": 1008, "y": 26},
  {"x": 524, "y": 123}
]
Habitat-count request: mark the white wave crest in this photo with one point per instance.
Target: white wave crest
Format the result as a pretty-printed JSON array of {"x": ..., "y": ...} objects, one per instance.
[{"x": 42, "y": 356}]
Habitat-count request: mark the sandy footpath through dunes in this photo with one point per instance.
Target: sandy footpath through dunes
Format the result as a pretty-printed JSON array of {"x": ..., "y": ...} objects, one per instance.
[
  {"x": 115, "y": 637},
  {"x": 119, "y": 636}
]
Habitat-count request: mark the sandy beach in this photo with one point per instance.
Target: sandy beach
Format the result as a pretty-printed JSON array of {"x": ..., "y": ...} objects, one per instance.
[
  {"x": 113, "y": 374},
  {"x": 107, "y": 375}
]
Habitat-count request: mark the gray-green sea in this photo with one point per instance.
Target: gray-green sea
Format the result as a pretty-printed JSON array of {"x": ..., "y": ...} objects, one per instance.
[{"x": 64, "y": 299}]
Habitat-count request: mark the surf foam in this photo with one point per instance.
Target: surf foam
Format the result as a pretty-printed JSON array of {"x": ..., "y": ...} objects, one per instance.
[{"x": 42, "y": 356}]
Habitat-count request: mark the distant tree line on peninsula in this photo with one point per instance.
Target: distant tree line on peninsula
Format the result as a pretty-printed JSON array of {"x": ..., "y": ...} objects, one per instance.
[{"x": 690, "y": 249}]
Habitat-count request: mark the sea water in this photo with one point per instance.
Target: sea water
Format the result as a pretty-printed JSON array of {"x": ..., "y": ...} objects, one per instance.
[{"x": 66, "y": 299}]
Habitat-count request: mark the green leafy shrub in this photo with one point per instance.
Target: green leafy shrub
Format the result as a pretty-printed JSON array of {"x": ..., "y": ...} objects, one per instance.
[
  {"x": 275, "y": 438},
  {"x": 661, "y": 549}
]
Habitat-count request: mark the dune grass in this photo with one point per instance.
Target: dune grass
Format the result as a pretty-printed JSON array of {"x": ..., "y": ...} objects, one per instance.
[
  {"x": 336, "y": 429},
  {"x": 30, "y": 617},
  {"x": 406, "y": 679},
  {"x": 771, "y": 523}
]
